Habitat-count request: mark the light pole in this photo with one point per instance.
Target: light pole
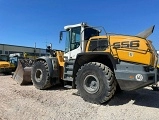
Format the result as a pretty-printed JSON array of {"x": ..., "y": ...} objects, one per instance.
[{"x": 35, "y": 51}]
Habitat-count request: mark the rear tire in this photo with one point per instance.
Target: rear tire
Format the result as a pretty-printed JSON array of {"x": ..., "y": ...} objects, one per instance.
[
  {"x": 95, "y": 82},
  {"x": 40, "y": 75}
]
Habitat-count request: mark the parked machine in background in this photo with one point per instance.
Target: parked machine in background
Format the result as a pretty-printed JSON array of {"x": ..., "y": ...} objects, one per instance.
[
  {"x": 9, "y": 63},
  {"x": 97, "y": 65},
  {"x": 6, "y": 66},
  {"x": 14, "y": 59}
]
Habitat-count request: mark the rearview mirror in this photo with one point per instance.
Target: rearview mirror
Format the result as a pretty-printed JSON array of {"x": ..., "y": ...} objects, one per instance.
[{"x": 61, "y": 35}]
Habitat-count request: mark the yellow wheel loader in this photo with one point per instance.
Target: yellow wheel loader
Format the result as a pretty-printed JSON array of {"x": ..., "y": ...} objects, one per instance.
[
  {"x": 98, "y": 65},
  {"x": 6, "y": 66}
]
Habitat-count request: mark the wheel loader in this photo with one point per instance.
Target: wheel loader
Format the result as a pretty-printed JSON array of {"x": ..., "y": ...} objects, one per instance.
[
  {"x": 97, "y": 65},
  {"x": 6, "y": 66}
]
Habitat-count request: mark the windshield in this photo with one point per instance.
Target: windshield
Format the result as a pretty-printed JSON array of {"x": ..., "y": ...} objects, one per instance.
[{"x": 4, "y": 58}]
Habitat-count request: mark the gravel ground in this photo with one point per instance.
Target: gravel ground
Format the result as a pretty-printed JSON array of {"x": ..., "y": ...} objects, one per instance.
[{"x": 27, "y": 103}]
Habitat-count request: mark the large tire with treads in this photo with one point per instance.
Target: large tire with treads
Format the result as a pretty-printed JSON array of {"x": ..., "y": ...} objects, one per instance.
[
  {"x": 95, "y": 82},
  {"x": 40, "y": 75}
]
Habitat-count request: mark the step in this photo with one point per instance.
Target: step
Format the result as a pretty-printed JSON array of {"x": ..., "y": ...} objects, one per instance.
[
  {"x": 68, "y": 86},
  {"x": 70, "y": 68},
  {"x": 68, "y": 71},
  {"x": 68, "y": 79},
  {"x": 70, "y": 62}
]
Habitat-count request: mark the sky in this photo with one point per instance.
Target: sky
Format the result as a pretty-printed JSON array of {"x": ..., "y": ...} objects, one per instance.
[{"x": 26, "y": 22}]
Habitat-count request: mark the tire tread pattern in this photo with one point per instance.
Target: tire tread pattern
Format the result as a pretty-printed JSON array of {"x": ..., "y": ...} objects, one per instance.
[
  {"x": 47, "y": 81},
  {"x": 110, "y": 81}
]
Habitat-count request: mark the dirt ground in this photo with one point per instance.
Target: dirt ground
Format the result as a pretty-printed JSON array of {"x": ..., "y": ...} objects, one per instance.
[{"x": 27, "y": 103}]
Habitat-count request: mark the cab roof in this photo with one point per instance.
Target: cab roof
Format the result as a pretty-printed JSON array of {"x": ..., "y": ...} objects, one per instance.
[{"x": 75, "y": 25}]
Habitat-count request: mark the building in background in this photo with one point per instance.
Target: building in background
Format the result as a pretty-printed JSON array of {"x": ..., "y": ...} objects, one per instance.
[{"x": 10, "y": 49}]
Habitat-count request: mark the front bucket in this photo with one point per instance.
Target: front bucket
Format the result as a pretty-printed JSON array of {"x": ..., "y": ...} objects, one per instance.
[{"x": 23, "y": 72}]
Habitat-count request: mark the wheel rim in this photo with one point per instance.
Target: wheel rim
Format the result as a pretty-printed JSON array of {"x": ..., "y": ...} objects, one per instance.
[
  {"x": 38, "y": 75},
  {"x": 91, "y": 84}
]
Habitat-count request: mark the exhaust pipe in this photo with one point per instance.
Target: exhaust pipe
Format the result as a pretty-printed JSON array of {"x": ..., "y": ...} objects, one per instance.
[{"x": 146, "y": 33}]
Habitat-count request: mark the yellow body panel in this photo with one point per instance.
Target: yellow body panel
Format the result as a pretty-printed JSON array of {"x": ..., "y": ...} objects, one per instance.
[
  {"x": 129, "y": 48},
  {"x": 60, "y": 57},
  {"x": 4, "y": 64},
  {"x": 126, "y": 48}
]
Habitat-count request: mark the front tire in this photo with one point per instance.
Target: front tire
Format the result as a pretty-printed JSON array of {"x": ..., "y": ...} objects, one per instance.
[
  {"x": 40, "y": 75},
  {"x": 95, "y": 82}
]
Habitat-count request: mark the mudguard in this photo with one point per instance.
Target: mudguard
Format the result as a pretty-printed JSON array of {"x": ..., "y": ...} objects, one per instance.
[
  {"x": 52, "y": 65},
  {"x": 83, "y": 58}
]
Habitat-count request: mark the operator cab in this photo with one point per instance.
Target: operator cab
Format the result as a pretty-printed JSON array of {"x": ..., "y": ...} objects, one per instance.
[{"x": 76, "y": 38}]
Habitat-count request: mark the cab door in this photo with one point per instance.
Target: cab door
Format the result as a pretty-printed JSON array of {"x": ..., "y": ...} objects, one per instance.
[{"x": 72, "y": 45}]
